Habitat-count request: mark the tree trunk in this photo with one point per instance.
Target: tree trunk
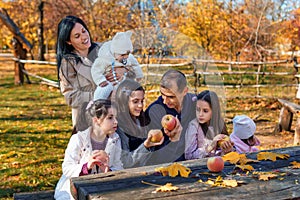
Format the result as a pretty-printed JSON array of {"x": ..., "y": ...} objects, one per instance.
[{"x": 41, "y": 32}]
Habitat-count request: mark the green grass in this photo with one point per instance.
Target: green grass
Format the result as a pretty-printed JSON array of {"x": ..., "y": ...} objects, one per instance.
[{"x": 35, "y": 129}]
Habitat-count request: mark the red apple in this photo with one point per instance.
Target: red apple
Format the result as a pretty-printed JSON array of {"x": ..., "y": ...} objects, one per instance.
[
  {"x": 157, "y": 135},
  {"x": 168, "y": 122},
  {"x": 215, "y": 164}
]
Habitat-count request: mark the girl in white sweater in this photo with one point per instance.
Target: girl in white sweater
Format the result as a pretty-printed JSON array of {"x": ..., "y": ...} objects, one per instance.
[{"x": 95, "y": 150}]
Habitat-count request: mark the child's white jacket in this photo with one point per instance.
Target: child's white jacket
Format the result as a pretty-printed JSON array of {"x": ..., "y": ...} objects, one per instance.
[
  {"x": 77, "y": 154},
  {"x": 103, "y": 64}
]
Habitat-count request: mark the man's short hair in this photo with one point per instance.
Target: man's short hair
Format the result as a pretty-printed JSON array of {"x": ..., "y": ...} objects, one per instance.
[{"x": 173, "y": 75}]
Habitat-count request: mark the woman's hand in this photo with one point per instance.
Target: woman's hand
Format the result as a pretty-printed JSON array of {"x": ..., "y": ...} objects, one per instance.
[
  {"x": 152, "y": 136},
  {"x": 119, "y": 75},
  {"x": 100, "y": 158},
  {"x": 175, "y": 134}
]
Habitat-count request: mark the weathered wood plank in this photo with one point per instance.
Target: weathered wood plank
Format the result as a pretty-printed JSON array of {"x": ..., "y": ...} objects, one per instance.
[
  {"x": 41, "y": 195},
  {"x": 288, "y": 110},
  {"x": 285, "y": 119},
  {"x": 127, "y": 184},
  {"x": 292, "y": 107}
]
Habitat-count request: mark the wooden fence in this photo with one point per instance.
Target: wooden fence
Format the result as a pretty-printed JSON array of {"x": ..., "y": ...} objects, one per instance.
[{"x": 214, "y": 74}]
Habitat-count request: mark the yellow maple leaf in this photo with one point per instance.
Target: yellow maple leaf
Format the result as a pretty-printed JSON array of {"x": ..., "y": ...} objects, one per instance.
[
  {"x": 271, "y": 156},
  {"x": 230, "y": 183},
  {"x": 295, "y": 164},
  {"x": 245, "y": 167},
  {"x": 166, "y": 188},
  {"x": 244, "y": 160},
  {"x": 266, "y": 177},
  {"x": 233, "y": 157},
  {"x": 221, "y": 183},
  {"x": 174, "y": 169}
]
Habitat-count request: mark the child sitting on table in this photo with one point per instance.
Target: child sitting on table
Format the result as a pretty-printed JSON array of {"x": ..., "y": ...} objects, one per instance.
[{"x": 243, "y": 134}]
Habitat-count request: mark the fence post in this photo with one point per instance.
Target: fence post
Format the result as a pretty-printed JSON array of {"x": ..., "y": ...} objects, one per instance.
[
  {"x": 195, "y": 75},
  {"x": 19, "y": 53},
  {"x": 296, "y": 66},
  {"x": 257, "y": 80}
]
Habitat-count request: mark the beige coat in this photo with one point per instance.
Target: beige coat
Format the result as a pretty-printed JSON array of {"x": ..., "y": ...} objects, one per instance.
[{"x": 76, "y": 82}]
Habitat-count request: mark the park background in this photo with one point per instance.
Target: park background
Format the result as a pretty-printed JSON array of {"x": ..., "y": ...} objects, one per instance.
[{"x": 246, "y": 50}]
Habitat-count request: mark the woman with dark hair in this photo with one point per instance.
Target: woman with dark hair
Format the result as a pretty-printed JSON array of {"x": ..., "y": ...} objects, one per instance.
[
  {"x": 132, "y": 124},
  {"x": 75, "y": 53},
  {"x": 207, "y": 129}
]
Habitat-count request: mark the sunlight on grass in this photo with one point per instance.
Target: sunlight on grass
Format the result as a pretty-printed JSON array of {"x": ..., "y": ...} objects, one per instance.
[{"x": 35, "y": 129}]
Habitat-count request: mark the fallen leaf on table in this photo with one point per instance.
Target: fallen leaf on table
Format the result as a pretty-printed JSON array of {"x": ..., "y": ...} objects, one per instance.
[
  {"x": 162, "y": 188},
  {"x": 174, "y": 169},
  {"x": 244, "y": 160},
  {"x": 233, "y": 157},
  {"x": 230, "y": 183},
  {"x": 220, "y": 182},
  {"x": 245, "y": 167},
  {"x": 295, "y": 164},
  {"x": 167, "y": 188},
  {"x": 271, "y": 156},
  {"x": 266, "y": 177}
]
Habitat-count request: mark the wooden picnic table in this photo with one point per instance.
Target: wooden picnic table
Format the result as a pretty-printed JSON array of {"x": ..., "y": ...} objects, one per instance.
[{"x": 127, "y": 184}]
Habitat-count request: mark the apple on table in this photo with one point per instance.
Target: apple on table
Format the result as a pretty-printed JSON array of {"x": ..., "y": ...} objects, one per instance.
[{"x": 215, "y": 164}]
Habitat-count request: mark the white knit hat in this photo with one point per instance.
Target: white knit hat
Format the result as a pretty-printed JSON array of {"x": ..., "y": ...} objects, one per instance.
[
  {"x": 243, "y": 126},
  {"x": 121, "y": 43},
  {"x": 103, "y": 92}
]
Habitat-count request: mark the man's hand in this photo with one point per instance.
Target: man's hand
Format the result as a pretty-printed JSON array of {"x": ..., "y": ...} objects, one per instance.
[{"x": 175, "y": 134}]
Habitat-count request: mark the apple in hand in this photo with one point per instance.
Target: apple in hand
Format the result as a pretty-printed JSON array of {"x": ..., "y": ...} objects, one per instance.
[
  {"x": 156, "y": 135},
  {"x": 220, "y": 142},
  {"x": 215, "y": 164},
  {"x": 169, "y": 122}
]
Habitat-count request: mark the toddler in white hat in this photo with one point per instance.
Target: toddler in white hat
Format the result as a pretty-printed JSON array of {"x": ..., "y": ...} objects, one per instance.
[
  {"x": 112, "y": 55},
  {"x": 243, "y": 134}
]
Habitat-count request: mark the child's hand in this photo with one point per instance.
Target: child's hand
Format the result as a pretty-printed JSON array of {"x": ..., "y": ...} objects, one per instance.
[
  {"x": 100, "y": 158},
  {"x": 214, "y": 143},
  {"x": 175, "y": 134},
  {"x": 225, "y": 143},
  {"x": 226, "y": 146}
]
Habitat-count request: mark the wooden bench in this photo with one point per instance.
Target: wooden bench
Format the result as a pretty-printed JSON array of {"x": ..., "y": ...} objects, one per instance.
[
  {"x": 41, "y": 195},
  {"x": 130, "y": 184},
  {"x": 287, "y": 112}
]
